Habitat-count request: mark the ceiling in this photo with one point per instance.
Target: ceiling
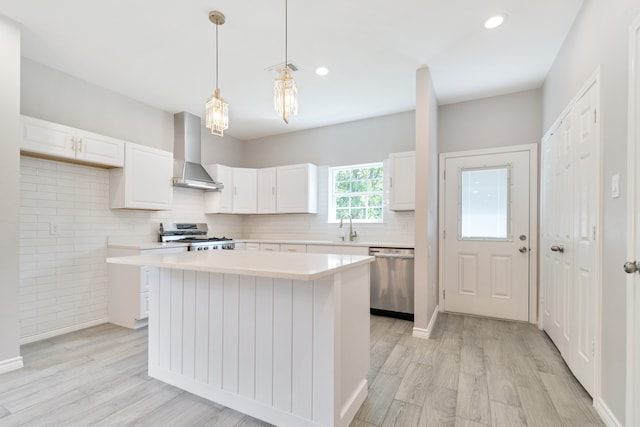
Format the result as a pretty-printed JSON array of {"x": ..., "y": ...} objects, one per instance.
[{"x": 162, "y": 52}]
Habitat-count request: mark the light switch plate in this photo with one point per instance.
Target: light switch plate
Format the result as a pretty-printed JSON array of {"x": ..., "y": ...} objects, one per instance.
[{"x": 615, "y": 186}]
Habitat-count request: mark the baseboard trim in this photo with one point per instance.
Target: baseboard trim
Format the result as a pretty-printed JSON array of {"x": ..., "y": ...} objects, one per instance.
[
  {"x": 426, "y": 333},
  {"x": 11, "y": 364},
  {"x": 605, "y": 413},
  {"x": 62, "y": 331}
]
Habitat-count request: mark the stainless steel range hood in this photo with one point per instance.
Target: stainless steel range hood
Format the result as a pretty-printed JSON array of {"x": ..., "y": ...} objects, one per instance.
[{"x": 187, "y": 168}]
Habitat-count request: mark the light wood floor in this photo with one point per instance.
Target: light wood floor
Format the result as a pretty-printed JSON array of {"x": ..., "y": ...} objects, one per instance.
[{"x": 475, "y": 372}]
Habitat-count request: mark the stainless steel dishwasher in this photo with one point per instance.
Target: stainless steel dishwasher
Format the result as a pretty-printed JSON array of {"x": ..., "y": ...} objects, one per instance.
[{"x": 392, "y": 282}]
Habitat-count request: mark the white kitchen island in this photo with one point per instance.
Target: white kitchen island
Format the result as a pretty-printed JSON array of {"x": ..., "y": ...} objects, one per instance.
[{"x": 283, "y": 337}]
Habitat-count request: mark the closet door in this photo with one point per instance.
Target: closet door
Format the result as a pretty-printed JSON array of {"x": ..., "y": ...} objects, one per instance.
[{"x": 569, "y": 235}]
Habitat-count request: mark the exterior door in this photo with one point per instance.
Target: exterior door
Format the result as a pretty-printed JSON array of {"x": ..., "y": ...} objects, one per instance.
[{"x": 487, "y": 234}]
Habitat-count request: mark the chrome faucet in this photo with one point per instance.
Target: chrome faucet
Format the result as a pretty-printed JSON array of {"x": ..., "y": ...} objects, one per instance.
[{"x": 352, "y": 233}]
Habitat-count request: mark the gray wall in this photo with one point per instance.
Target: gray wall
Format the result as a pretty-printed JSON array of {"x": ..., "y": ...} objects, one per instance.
[
  {"x": 426, "y": 214},
  {"x": 51, "y": 95},
  {"x": 599, "y": 38},
  {"x": 499, "y": 121},
  {"x": 10, "y": 190},
  {"x": 361, "y": 141}
]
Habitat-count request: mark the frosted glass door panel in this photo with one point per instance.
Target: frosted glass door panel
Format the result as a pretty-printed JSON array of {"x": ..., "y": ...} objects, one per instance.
[{"x": 484, "y": 203}]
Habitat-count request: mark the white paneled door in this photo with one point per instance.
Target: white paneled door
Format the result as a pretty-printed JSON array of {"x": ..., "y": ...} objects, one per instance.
[
  {"x": 569, "y": 234},
  {"x": 633, "y": 231},
  {"x": 487, "y": 235}
]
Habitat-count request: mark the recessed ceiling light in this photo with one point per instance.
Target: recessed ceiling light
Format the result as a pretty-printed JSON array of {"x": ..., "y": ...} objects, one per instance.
[
  {"x": 494, "y": 22},
  {"x": 322, "y": 71}
]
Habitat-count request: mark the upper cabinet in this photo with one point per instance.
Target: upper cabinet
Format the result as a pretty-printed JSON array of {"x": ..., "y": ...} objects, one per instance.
[
  {"x": 402, "y": 181},
  {"x": 267, "y": 190},
  {"x": 239, "y": 194},
  {"x": 45, "y": 139},
  {"x": 283, "y": 189},
  {"x": 145, "y": 180},
  {"x": 297, "y": 189},
  {"x": 245, "y": 196}
]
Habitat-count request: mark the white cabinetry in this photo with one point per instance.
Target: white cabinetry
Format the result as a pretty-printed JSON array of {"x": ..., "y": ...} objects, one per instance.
[
  {"x": 129, "y": 287},
  {"x": 339, "y": 250},
  {"x": 292, "y": 248},
  {"x": 267, "y": 190},
  {"x": 270, "y": 247},
  {"x": 239, "y": 194},
  {"x": 402, "y": 181},
  {"x": 145, "y": 180},
  {"x": 220, "y": 201},
  {"x": 245, "y": 196},
  {"x": 45, "y": 139},
  {"x": 297, "y": 189}
]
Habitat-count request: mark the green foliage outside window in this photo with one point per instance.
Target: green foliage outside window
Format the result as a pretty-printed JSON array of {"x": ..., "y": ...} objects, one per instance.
[{"x": 357, "y": 191}]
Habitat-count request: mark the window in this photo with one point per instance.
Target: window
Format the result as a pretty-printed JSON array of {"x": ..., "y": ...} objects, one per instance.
[
  {"x": 484, "y": 203},
  {"x": 357, "y": 191}
]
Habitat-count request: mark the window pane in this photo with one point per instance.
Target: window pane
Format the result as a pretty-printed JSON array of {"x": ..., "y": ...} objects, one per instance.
[
  {"x": 357, "y": 191},
  {"x": 484, "y": 203},
  {"x": 342, "y": 202},
  {"x": 359, "y": 213},
  {"x": 342, "y": 187}
]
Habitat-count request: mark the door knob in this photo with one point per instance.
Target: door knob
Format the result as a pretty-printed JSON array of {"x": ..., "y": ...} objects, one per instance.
[
  {"x": 523, "y": 250},
  {"x": 631, "y": 267},
  {"x": 558, "y": 248}
]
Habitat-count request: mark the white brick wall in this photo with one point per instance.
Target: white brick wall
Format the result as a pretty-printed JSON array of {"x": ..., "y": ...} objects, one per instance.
[{"x": 63, "y": 277}]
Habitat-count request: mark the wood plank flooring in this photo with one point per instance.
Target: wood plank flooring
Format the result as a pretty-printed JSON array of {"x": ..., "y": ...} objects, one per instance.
[{"x": 474, "y": 372}]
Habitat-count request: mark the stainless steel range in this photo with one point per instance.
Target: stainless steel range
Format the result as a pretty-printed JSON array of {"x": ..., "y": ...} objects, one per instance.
[{"x": 195, "y": 234}]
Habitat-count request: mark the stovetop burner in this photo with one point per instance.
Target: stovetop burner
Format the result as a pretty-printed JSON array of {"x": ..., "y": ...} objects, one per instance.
[{"x": 204, "y": 240}]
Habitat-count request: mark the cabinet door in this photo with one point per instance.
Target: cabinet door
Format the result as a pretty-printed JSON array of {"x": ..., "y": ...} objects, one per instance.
[
  {"x": 42, "y": 137},
  {"x": 267, "y": 190},
  {"x": 219, "y": 201},
  {"x": 297, "y": 189},
  {"x": 293, "y": 248},
  {"x": 145, "y": 180},
  {"x": 402, "y": 181},
  {"x": 245, "y": 196},
  {"x": 270, "y": 247},
  {"x": 94, "y": 148}
]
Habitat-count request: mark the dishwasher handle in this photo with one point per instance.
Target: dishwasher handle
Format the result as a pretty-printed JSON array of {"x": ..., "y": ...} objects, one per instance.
[{"x": 394, "y": 256}]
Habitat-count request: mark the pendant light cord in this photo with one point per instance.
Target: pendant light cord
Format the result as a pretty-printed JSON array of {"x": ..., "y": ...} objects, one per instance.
[
  {"x": 286, "y": 32},
  {"x": 217, "y": 56}
]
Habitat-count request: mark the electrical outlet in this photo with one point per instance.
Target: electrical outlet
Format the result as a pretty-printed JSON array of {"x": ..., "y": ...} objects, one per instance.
[{"x": 54, "y": 229}]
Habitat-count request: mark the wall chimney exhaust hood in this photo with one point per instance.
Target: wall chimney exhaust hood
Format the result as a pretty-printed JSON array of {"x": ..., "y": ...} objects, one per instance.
[{"x": 187, "y": 168}]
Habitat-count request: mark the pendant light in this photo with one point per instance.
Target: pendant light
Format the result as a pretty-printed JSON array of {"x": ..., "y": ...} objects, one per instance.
[
  {"x": 217, "y": 114},
  {"x": 285, "y": 91}
]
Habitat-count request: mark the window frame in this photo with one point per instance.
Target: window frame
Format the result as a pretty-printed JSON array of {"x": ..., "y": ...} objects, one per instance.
[{"x": 331, "y": 214}]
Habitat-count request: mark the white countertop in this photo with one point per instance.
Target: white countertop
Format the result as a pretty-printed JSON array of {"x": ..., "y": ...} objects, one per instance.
[
  {"x": 365, "y": 244},
  {"x": 145, "y": 246},
  {"x": 285, "y": 265}
]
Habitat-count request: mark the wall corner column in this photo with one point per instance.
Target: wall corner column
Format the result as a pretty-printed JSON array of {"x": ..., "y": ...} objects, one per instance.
[
  {"x": 10, "y": 358},
  {"x": 426, "y": 213}
]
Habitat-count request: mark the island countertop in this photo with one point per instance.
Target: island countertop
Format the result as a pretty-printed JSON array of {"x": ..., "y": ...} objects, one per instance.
[{"x": 285, "y": 265}]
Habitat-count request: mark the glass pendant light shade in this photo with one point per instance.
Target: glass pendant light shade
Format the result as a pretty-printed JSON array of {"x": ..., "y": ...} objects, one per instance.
[
  {"x": 217, "y": 114},
  {"x": 285, "y": 95},
  {"x": 217, "y": 109}
]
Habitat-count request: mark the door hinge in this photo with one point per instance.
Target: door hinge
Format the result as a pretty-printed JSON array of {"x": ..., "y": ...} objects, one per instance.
[
  {"x": 593, "y": 349},
  {"x": 595, "y": 116},
  {"x": 444, "y": 234},
  {"x": 444, "y": 174},
  {"x": 444, "y": 293},
  {"x": 594, "y": 232}
]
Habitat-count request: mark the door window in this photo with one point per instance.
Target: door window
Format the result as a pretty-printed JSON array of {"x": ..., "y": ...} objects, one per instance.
[{"x": 485, "y": 203}]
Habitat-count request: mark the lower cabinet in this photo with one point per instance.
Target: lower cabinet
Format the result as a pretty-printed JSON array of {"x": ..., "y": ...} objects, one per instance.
[
  {"x": 339, "y": 250},
  {"x": 128, "y": 285}
]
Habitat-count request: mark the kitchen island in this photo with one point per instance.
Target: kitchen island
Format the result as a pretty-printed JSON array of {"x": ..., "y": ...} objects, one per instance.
[{"x": 283, "y": 337}]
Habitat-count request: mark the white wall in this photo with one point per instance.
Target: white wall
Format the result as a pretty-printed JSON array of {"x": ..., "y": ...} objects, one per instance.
[
  {"x": 498, "y": 121},
  {"x": 361, "y": 141},
  {"x": 426, "y": 214},
  {"x": 51, "y": 95},
  {"x": 9, "y": 191},
  {"x": 599, "y": 37}
]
